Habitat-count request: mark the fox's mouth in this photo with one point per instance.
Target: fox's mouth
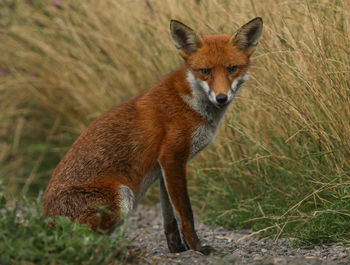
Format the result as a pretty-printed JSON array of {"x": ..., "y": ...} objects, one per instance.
[{"x": 221, "y": 105}]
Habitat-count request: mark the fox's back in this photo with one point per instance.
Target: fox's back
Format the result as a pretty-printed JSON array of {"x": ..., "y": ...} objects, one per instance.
[{"x": 112, "y": 143}]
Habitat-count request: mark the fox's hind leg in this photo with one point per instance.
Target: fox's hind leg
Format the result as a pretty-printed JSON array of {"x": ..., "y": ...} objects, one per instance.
[
  {"x": 171, "y": 228},
  {"x": 97, "y": 205}
]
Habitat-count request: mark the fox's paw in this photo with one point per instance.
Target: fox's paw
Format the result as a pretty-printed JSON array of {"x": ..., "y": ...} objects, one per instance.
[
  {"x": 176, "y": 248},
  {"x": 174, "y": 241},
  {"x": 207, "y": 250}
]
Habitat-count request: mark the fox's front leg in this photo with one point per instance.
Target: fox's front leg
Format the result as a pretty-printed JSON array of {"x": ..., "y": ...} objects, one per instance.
[
  {"x": 171, "y": 227},
  {"x": 173, "y": 164}
]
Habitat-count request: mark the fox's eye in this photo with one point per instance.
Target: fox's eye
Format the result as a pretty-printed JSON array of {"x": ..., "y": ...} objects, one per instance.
[
  {"x": 231, "y": 69},
  {"x": 205, "y": 71}
]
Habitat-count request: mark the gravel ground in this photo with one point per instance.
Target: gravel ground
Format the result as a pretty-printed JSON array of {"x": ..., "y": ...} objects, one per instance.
[{"x": 145, "y": 231}]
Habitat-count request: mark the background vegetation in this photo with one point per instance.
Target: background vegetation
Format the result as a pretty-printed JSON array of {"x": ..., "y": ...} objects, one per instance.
[{"x": 280, "y": 164}]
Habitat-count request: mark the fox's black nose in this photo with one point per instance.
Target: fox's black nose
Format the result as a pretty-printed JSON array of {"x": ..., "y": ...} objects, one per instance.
[{"x": 221, "y": 98}]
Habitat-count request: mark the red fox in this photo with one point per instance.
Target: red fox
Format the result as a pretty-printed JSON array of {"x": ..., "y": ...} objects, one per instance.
[{"x": 153, "y": 136}]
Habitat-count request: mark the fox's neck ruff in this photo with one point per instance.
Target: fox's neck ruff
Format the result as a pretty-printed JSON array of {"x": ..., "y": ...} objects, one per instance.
[{"x": 199, "y": 101}]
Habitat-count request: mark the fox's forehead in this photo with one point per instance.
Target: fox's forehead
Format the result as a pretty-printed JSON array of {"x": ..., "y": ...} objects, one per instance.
[
  {"x": 217, "y": 51},
  {"x": 216, "y": 39}
]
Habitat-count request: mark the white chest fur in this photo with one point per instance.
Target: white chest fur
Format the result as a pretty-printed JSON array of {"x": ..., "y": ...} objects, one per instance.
[
  {"x": 212, "y": 115},
  {"x": 201, "y": 138}
]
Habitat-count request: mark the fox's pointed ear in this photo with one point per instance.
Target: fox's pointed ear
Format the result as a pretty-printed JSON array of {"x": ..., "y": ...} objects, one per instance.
[
  {"x": 185, "y": 39},
  {"x": 247, "y": 37}
]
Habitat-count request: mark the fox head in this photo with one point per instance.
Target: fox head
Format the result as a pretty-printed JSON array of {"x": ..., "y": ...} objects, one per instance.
[{"x": 217, "y": 64}]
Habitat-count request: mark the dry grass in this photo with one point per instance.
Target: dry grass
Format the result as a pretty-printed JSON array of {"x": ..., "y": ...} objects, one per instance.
[{"x": 286, "y": 137}]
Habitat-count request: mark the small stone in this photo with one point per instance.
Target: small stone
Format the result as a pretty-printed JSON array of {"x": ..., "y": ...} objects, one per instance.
[
  {"x": 257, "y": 257},
  {"x": 279, "y": 261}
]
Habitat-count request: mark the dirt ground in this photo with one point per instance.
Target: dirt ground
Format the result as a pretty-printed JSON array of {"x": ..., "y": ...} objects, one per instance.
[{"x": 148, "y": 243}]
